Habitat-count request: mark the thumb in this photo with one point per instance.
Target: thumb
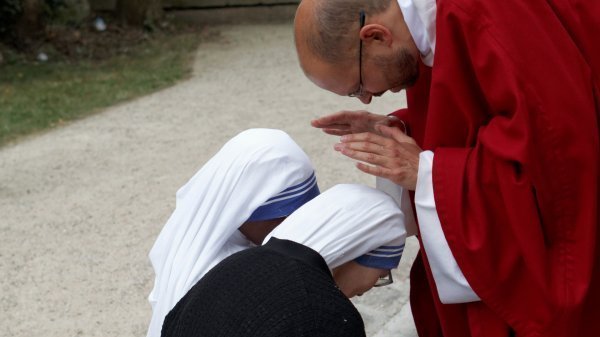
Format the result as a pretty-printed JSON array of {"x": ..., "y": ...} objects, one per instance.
[{"x": 395, "y": 133}]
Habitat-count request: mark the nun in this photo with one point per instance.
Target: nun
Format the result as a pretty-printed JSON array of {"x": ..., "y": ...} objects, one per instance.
[
  {"x": 338, "y": 245},
  {"x": 255, "y": 180}
]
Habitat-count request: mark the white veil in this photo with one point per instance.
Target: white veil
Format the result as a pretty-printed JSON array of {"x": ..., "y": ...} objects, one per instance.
[
  {"x": 347, "y": 222},
  {"x": 261, "y": 173}
]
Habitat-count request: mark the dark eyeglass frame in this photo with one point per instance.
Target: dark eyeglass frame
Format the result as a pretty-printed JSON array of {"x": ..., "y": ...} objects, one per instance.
[
  {"x": 384, "y": 280},
  {"x": 359, "y": 92}
]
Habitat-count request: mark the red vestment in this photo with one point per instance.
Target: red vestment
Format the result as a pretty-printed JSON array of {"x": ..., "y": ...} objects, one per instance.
[{"x": 511, "y": 110}]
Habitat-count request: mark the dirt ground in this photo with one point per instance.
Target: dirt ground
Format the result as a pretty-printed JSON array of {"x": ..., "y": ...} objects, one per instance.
[{"x": 81, "y": 205}]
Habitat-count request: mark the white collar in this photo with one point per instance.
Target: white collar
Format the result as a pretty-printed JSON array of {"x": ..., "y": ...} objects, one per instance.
[{"x": 420, "y": 19}]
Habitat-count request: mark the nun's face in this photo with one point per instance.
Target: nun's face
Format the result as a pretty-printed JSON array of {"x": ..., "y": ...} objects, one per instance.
[{"x": 354, "y": 279}]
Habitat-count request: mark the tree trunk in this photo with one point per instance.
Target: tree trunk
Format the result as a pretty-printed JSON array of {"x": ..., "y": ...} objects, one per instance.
[
  {"x": 30, "y": 25},
  {"x": 139, "y": 12}
]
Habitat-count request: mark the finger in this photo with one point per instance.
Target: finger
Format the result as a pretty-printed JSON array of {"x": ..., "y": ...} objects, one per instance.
[
  {"x": 374, "y": 170},
  {"x": 387, "y": 173},
  {"x": 334, "y": 129},
  {"x": 321, "y": 123},
  {"x": 396, "y": 134},
  {"x": 382, "y": 172},
  {"x": 340, "y": 127},
  {"x": 367, "y": 157},
  {"x": 336, "y": 132},
  {"x": 366, "y": 137},
  {"x": 341, "y": 117},
  {"x": 366, "y": 147}
]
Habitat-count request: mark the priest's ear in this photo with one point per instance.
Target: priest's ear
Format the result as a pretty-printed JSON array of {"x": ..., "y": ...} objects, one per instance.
[{"x": 375, "y": 34}]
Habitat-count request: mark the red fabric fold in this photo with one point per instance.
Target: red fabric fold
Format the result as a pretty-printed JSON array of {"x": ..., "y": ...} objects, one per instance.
[{"x": 510, "y": 111}]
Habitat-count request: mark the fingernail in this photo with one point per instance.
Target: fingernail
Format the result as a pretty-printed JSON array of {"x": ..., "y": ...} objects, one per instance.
[
  {"x": 344, "y": 138},
  {"x": 338, "y": 147}
]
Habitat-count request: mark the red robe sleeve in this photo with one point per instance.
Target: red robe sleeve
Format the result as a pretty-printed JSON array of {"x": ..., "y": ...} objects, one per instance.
[{"x": 512, "y": 118}]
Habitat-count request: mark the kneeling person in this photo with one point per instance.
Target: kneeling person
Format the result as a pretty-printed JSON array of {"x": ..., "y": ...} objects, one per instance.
[
  {"x": 338, "y": 245},
  {"x": 234, "y": 200}
]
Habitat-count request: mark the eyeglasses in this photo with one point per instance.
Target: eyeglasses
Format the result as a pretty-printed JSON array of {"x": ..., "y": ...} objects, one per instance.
[
  {"x": 384, "y": 280},
  {"x": 359, "y": 92}
]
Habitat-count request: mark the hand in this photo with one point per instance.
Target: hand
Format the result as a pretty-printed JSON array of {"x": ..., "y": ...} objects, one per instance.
[
  {"x": 392, "y": 155},
  {"x": 350, "y": 122}
]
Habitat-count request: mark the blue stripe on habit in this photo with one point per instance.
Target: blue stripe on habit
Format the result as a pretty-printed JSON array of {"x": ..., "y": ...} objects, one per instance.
[
  {"x": 286, "y": 202},
  {"x": 388, "y": 258},
  {"x": 305, "y": 185},
  {"x": 387, "y": 251}
]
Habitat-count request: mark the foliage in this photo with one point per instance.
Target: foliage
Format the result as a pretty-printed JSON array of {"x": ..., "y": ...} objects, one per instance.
[
  {"x": 35, "y": 96},
  {"x": 10, "y": 11},
  {"x": 14, "y": 15},
  {"x": 70, "y": 12}
]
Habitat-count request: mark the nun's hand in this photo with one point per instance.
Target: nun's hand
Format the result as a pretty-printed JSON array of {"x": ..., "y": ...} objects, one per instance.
[
  {"x": 350, "y": 122},
  {"x": 392, "y": 155}
]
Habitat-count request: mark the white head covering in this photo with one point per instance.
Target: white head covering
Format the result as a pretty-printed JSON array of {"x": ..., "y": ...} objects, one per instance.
[
  {"x": 259, "y": 174},
  {"x": 346, "y": 223}
]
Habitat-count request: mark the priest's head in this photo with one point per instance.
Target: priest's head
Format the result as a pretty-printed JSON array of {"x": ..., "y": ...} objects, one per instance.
[{"x": 356, "y": 48}]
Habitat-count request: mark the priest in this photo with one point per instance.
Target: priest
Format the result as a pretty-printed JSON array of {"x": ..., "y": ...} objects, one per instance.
[{"x": 499, "y": 147}]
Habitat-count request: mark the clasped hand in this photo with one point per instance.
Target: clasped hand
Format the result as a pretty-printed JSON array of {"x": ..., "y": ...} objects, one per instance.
[{"x": 381, "y": 149}]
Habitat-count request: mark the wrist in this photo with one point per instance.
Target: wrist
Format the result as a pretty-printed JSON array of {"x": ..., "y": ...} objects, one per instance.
[{"x": 396, "y": 122}]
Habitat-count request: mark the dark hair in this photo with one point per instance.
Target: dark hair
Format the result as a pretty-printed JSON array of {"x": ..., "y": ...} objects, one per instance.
[{"x": 333, "y": 36}]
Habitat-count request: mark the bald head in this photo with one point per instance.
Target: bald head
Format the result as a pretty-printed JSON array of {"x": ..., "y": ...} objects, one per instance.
[
  {"x": 328, "y": 35},
  {"x": 328, "y": 29}
]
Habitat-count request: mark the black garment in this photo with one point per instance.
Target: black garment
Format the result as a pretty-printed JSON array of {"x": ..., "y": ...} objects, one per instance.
[{"x": 281, "y": 289}]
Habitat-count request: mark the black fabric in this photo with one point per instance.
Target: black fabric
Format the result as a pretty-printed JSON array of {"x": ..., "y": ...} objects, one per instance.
[
  {"x": 282, "y": 289},
  {"x": 298, "y": 252}
]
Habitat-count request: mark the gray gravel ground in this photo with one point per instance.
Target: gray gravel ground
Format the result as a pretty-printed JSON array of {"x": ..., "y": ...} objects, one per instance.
[{"x": 81, "y": 205}]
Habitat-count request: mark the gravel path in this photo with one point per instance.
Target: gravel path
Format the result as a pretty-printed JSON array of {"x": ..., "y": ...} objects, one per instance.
[{"x": 81, "y": 205}]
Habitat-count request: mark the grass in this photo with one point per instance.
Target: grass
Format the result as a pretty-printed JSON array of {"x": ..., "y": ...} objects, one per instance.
[{"x": 37, "y": 96}]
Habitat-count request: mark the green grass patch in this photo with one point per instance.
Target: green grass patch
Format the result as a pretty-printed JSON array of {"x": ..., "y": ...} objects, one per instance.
[{"x": 36, "y": 96}]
